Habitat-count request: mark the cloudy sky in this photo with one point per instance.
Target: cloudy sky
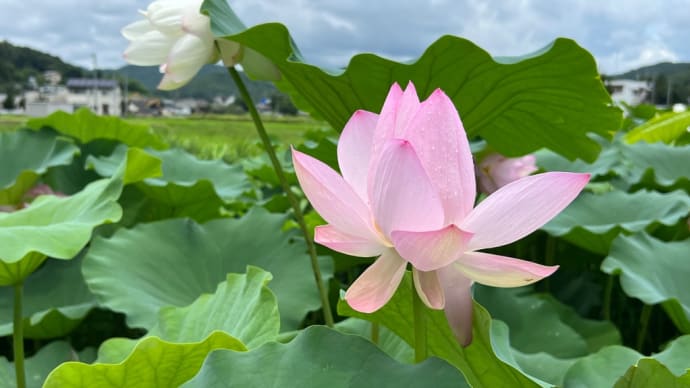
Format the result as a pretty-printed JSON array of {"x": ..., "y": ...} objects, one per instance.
[{"x": 622, "y": 35}]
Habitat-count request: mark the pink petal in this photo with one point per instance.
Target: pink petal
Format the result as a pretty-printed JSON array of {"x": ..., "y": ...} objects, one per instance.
[
  {"x": 438, "y": 137},
  {"x": 458, "y": 293},
  {"x": 408, "y": 107},
  {"x": 331, "y": 237},
  {"x": 521, "y": 207},
  {"x": 354, "y": 150},
  {"x": 431, "y": 250},
  {"x": 429, "y": 288},
  {"x": 377, "y": 284},
  {"x": 501, "y": 271},
  {"x": 332, "y": 197},
  {"x": 400, "y": 193},
  {"x": 397, "y": 111}
]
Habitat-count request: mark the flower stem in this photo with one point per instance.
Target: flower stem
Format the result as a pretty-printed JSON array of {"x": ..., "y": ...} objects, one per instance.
[
  {"x": 644, "y": 324},
  {"x": 420, "y": 351},
  {"x": 375, "y": 330},
  {"x": 18, "y": 336},
  {"x": 258, "y": 124}
]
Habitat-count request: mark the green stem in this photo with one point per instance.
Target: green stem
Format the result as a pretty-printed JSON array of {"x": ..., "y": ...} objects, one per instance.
[
  {"x": 18, "y": 336},
  {"x": 375, "y": 329},
  {"x": 644, "y": 324},
  {"x": 420, "y": 351},
  {"x": 326, "y": 307},
  {"x": 608, "y": 293}
]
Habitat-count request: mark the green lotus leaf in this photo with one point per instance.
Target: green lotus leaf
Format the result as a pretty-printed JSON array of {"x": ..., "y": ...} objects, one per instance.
[
  {"x": 152, "y": 363},
  {"x": 321, "y": 357},
  {"x": 388, "y": 341},
  {"x": 548, "y": 99},
  {"x": 667, "y": 165},
  {"x": 55, "y": 301},
  {"x": 608, "y": 161},
  {"x": 607, "y": 366},
  {"x": 540, "y": 323},
  {"x": 242, "y": 306},
  {"x": 186, "y": 187},
  {"x": 25, "y": 156},
  {"x": 543, "y": 368},
  {"x": 655, "y": 272},
  {"x": 172, "y": 262},
  {"x": 478, "y": 362},
  {"x": 666, "y": 128},
  {"x": 546, "y": 337},
  {"x": 651, "y": 373},
  {"x": 592, "y": 221},
  {"x": 87, "y": 126},
  {"x": 38, "y": 366}
]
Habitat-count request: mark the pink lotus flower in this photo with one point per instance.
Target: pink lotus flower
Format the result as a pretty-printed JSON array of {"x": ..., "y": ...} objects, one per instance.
[
  {"x": 496, "y": 171},
  {"x": 407, "y": 193}
]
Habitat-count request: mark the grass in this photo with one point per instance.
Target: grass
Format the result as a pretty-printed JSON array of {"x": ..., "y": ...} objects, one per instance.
[{"x": 230, "y": 137}]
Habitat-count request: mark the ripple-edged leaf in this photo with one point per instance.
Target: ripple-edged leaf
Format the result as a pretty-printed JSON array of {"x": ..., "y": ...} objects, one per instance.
[
  {"x": 655, "y": 272},
  {"x": 152, "y": 363},
  {"x": 25, "y": 156},
  {"x": 172, "y": 262},
  {"x": 242, "y": 306},
  {"x": 550, "y": 98},
  {"x": 310, "y": 361},
  {"x": 604, "y": 368},
  {"x": 87, "y": 126},
  {"x": 666, "y": 128},
  {"x": 592, "y": 221}
]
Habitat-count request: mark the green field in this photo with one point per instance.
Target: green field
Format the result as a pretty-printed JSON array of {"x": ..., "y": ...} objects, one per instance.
[{"x": 213, "y": 136}]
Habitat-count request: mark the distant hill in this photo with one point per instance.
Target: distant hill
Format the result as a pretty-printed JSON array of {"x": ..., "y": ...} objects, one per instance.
[
  {"x": 211, "y": 81},
  {"x": 673, "y": 77},
  {"x": 18, "y": 63}
]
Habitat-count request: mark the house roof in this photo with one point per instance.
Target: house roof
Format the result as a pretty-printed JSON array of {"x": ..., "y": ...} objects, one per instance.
[{"x": 90, "y": 83}]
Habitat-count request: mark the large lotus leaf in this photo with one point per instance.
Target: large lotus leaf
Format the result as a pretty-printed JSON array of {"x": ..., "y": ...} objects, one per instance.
[
  {"x": 55, "y": 300},
  {"x": 388, "y": 341},
  {"x": 321, "y": 357},
  {"x": 478, "y": 362},
  {"x": 25, "y": 156},
  {"x": 187, "y": 187},
  {"x": 668, "y": 165},
  {"x": 172, "y": 262},
  {"x": 592, "y": 221},
  {"x": 38, "y": 366},
  {"x": 666, "y": 128},
  {"x": 59, "y": 227},
  {"x": 152, "y": 363},
  {"x": 543, "y": 368},
  {"x": 242, "y": 306},
  {"x": 540, "y": 323},
  {"x": 608, "y": 161},
  {"x": 86, "y": 126},
  {"x": 604, "y": 368},
  {"x": 654, "y": 271},
  {"x": 550, "y": 98},
  {"x": 545, "y": 336},
  {"x": 651, "y": 373}
]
